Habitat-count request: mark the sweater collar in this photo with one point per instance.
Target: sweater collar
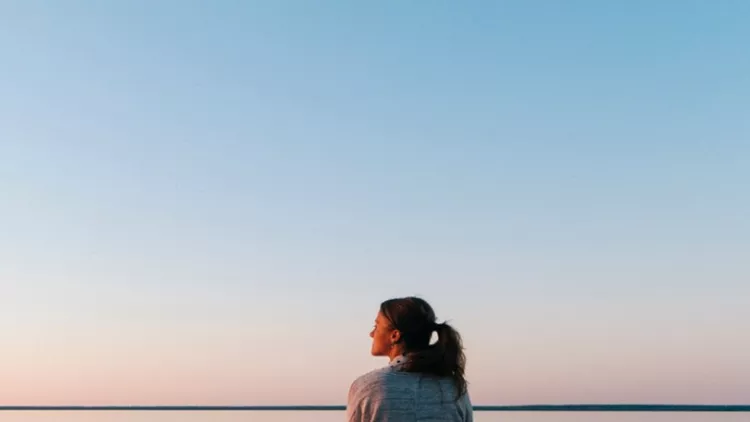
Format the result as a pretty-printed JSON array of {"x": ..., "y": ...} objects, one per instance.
[{"x": 398, "y": 361}]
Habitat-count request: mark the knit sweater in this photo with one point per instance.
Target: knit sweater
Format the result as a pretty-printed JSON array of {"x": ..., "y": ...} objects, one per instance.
[{"x": 391, "y": 395}]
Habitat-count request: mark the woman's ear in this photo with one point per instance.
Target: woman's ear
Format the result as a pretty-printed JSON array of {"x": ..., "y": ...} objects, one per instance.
[{"x": 395, "y": 336}]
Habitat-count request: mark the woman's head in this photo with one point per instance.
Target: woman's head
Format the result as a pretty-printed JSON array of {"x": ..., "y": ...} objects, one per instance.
[{"x": 404, "y": 326}]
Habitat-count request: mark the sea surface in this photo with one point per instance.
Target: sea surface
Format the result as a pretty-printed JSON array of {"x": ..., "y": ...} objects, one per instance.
[{"x": 338, "y": 416}]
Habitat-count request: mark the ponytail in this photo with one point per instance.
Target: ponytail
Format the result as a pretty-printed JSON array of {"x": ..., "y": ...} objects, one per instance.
[
  {"x": 454, "y": 361},
  {"x": 444, "y": 358}
]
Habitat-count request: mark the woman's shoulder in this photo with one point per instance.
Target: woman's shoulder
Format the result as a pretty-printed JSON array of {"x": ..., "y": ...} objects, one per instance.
[
  {"x": 373, "y": 380},
  {"x": 372, "y": 393},
  {"x": 379, "y": 381}
]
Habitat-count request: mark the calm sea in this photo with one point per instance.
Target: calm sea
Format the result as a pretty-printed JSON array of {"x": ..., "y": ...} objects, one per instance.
[{"x": 338, "y": 416}]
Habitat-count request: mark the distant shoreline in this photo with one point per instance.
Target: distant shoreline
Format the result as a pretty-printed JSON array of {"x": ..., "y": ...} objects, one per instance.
[{"x": 516, "y": 408}]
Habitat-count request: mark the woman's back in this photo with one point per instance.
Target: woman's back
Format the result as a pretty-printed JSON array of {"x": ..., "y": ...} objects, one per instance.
[{"x": 391, "y": 395}]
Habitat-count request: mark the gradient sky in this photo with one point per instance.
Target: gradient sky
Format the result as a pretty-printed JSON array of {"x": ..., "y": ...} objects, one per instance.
[{"x": 205, "y": 202}]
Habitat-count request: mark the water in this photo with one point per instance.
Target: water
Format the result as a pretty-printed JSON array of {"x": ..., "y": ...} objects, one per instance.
[{"x": 338, "y": 416}]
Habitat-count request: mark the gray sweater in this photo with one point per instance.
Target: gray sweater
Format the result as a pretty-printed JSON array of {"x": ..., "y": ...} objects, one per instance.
[{"x": 389, "y": 395}]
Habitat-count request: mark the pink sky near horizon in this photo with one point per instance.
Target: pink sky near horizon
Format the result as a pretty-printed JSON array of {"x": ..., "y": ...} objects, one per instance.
[{"x": 555, "y": 357}]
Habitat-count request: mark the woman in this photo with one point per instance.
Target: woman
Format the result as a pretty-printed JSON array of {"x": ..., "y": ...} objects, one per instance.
[{"x": 423, "y": 382}]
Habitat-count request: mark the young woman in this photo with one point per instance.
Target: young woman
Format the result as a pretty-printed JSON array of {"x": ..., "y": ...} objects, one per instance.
[{"x": 423, "y": 382}]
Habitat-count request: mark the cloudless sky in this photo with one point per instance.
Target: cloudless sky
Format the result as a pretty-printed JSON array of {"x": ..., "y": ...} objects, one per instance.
[{"x": 205, "y": 202}]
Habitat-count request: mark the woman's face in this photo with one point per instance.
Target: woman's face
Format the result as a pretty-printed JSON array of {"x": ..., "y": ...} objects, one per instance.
[{"x": 383, "y": 336}]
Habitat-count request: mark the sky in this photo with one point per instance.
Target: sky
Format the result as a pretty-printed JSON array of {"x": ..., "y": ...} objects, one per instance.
[{"x": 206, "y": 202}]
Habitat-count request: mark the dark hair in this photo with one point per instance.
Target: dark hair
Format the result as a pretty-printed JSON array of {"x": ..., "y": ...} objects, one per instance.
[{"x": 415, "y": 320}]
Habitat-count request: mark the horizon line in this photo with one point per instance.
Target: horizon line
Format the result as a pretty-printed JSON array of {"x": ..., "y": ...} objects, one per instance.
[{"x": 480, "y": 408}]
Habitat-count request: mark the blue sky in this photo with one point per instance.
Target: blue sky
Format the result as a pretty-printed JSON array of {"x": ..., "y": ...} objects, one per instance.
[{"x": 183, "y": 182}]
